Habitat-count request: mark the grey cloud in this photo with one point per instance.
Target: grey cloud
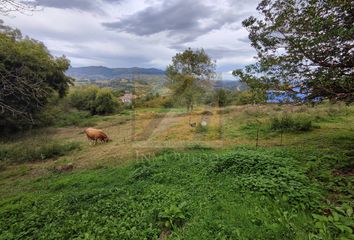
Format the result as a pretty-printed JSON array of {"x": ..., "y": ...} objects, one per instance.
[
  {"x": 184, "y": 20},
  {"x": 73, "y": 4},
  {"x": 177, "y": 16},
  {"x": 226, "y": 52},
  {"x": 171, "y": 26}
]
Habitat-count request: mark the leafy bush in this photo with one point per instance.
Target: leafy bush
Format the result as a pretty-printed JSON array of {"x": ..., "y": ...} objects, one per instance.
[
  {"x": 95, "y": 100},
  {"x": 268, "y": 174},
  {"x": 338, "y": 224},
  {"x": 32, "y": 152},
  {"x": 287, "y": 123},
  {"x": 172, "y": 217}
]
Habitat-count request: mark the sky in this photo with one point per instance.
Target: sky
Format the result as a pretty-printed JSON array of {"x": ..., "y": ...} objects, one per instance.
[{"x": 141, "y": 33}]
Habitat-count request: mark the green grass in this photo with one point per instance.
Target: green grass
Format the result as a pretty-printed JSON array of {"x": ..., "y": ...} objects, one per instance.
[
  {"x": 34, "y": 151},
  {"x": 301, "y": 190},
  {"x": 244, "y": 193},
  {"x": 79, "y": 119}
]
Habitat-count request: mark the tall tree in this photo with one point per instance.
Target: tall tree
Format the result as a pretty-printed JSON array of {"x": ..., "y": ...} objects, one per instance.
[
  {"x": 304, "y": 42},
  {"x": 29, "y": 75},
  {"x": 189, "y": 75}
]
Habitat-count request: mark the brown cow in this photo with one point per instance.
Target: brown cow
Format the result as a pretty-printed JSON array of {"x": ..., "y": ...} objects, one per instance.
[{"x": 96, "y": 134}]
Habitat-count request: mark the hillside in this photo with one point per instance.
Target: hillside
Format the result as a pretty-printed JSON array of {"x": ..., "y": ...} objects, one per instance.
[
  {"x": 238, "y": 178},
  {"x": 105, "y": 73},
  {"x": 231, "y": 85}
]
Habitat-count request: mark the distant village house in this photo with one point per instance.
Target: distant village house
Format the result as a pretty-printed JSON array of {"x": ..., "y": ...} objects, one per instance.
[{"x": 128, "y": 98}]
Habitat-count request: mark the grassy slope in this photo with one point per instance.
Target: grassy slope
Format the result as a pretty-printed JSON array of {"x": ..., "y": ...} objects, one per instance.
[
  {"x": 126, "y": 203},
  {"x": 203, "y": 193}
]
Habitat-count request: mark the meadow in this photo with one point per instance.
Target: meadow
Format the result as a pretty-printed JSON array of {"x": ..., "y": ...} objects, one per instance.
[{"x": 253, "y": 172}]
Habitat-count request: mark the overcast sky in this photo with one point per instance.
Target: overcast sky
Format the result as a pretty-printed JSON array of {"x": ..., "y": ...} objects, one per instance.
[{"x": 141, "y": 33}]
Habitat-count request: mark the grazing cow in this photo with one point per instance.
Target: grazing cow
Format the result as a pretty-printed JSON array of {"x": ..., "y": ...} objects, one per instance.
[{"x": 96, "y": 134}]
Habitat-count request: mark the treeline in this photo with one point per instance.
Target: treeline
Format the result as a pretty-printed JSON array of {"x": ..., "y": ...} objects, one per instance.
[
  {"x": 34, "y": 90},
  {"x": 216, "y": 98},
  {"x": 29, "y": 77}
]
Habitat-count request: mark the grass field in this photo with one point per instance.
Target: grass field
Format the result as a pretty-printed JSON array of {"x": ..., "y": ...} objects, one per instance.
[{"x": 162, "y": 178}]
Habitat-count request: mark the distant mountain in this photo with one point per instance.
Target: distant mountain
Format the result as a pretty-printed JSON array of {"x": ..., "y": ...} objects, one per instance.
[
  {"x": 231, "y": 85},
  {"x": 105, "y": 73}
]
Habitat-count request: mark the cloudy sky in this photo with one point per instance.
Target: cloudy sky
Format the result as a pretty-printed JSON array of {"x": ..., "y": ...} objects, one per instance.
[{"x": 142, "y": 33}]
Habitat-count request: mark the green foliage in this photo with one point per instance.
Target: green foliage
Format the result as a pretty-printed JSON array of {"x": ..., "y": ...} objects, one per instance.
[
  {"x": 83, "y": 98},
  {"x": 253, "y": 96},
  {"x": 29, "y": 76},
  {"x": 142, "y": 171},
  {"x": 189, "y": 75},
  {"x": 269, "y": 174},
  {"x": 152, "y": 100},
  {"x": 59, "y": 113},
  {"x": 93, "y": 99},
  {"x": 287, "y": 36},
  {"x": 20, "y": 153},
  {"x": 288, "y": 123},
  {"x": 339, "y": 223},
  {"x": 222, "y": 97},
  {"x": 172, "y": 217},
  {"x": 105, "y": 102},
  {"x": 239, "y": 194},
  {"x": 75, "y": 118}
]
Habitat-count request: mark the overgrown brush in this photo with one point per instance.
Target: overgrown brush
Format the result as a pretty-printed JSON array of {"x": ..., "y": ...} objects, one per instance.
[
  {"x": 239, "y": 194},
  {"x": 288, "y": 123},
  {"x": 268, "y": 174},
  {"x": 21, "y": 153}
]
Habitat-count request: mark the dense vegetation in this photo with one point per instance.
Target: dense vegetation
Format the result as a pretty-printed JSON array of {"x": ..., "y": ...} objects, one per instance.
[
  {"x": 239, "y": 194},
  {"x": 95, "y": 100},
  {"x": 29, "y": 76},
  {"x": 293, "y": 191},
  {"x": 306, "y": 43}
]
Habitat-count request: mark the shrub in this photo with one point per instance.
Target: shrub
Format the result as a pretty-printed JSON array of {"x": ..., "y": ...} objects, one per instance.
[
  {"x": 105, "y": 102},
  {"x": 268, "y": 174},
  {"x": 83, "y": 98},
  {"x": 287, "y": 123},
  {"x": 172, "y": 217},
  {"x": 95, "y": 100}
]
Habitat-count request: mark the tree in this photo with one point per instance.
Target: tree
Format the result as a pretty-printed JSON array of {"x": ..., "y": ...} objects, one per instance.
[
  {"x": 257, "y": 86},
  {"x": 83, "y": 98},
  {"x": 9, "y": 6},
  {"x": 29, "y": 76},
  {"x": 105, "y": 101},
  {"x": 94, "y": 99},
  {"x": 222, "y": 97},
  {"x": 304, "y": 42},
  {"x": 189, "y": 75}
]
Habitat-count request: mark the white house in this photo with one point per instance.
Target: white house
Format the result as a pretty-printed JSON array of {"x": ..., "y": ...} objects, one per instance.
[{"x": 128, "y": 98}]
